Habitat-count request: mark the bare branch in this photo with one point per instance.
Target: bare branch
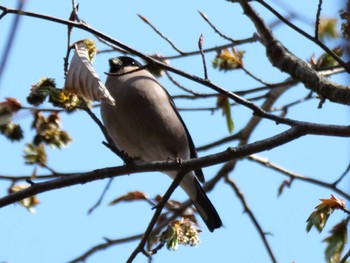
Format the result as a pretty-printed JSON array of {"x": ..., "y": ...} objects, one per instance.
[
  {"x": 101, "y": 197},
  {"x": 193, "y": 164},
  {"x": 252, "y": 217},
  {"x": 144, "y": 19},
  {"x": 200, "y": 45},
  {"x": 281, "y": 58},
  {"x": 346, "y": 256},
  {"x": 157, "y": 213},
  {"x": 126, "y": 158},
  {"x": 342, "y": 176},
  {"x": 13, "y": 31},
  {"x": 317, "y": 21},
  {"x": 205, "y": 17},
  {"x": 297, "y": 29},
  {"x": 293, "y": 175},
  {"x": 108, "y": 243},
  {"x": 255, "y": 77}
]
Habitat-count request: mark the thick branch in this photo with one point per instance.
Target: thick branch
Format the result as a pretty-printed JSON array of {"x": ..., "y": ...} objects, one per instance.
[
  {"x": 229, "y": 154},
  {"x": 283, "y": 59}
]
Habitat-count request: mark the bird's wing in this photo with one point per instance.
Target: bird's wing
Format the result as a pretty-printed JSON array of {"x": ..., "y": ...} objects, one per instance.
[{"x": 193, "y": 152}]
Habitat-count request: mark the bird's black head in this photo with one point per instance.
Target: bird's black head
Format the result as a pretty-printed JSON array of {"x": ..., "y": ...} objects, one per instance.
[{"x": 118, "y": 63}]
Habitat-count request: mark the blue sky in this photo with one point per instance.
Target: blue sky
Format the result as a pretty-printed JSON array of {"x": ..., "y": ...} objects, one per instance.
[{"x": 61, "y": 230}]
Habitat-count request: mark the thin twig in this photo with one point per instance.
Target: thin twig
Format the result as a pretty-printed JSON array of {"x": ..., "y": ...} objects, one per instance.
[
  {"x": 317, "y": 21},
  {"x": 73, "y": 17},
  {"x": 342, "y": 176},
  {"x": 200, "y": 46},
  {"x": 11, "y": 37},
  {"x": 252, "y": 217},
  {"x": 144, "y": 19},
  {"x": 296, "y": 102},
  {"x": 345, "y": 257},
  {"x": 249, "y": 40},
  {"x": 306, "y": 35},
  {"x": 111, "y": 242},
  {"x": 156, "y": 215},
  {"x": 195, "y": 94},
  {"x": 255, "y": 77},
  {"x": 294, "y": 176},
  {"x": 106, "y": 244},
  {"x": 205, "y": 17},
  {"x": 110, "y": 142},
  {"x": 101, "y": 197},
  {"x": 230, "y": 138}
]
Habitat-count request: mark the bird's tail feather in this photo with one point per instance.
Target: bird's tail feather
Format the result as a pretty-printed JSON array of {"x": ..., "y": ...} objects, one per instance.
[{"x": 202, "y": 203}]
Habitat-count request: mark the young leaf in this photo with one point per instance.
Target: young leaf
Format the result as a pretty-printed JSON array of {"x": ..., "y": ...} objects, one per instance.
[
  {"x": 326, "y": 60},
  {"x": 46, "y": 87},
  {"x": 224, "y": 103},
  {"x": 30, "y": 202},
  {"x": 40, "y": 91},
  {"x": 131, "y": 196},
  {"x": 12, "y": 131},
  {"x": 225, "y": 60},
  {"x": 345, "y": 26},
  {"x": 35, "y": 154},
  {"x": 336, "y": 242},
  {"x": 328, "y": 28},
  {"x": 82, "y": 78},
  {"x": 8, "y": 109},
  {"x": 180, "y": 232},
  {"x": 319, "y": 216},
  {"x": 48, "y": 130}
]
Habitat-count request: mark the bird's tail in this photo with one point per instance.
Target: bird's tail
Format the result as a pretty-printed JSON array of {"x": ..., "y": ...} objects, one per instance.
[{"x": 201, "y": 201}]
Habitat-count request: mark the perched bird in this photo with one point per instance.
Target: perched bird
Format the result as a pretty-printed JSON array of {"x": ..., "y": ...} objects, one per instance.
[{"x": 145, "y": 124}]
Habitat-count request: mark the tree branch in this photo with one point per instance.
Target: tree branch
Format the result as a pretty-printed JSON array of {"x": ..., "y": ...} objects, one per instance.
[
  {"x": 317, "y": 21},
  {"x": 284, "y": 60},
  {"x": 156, "y": 215},
  {"x": 265, "y": 162},
  {"x": 193, "y": 164},
  {"x": 252, "y": 217},
  {"x": 306, "y": 35}
]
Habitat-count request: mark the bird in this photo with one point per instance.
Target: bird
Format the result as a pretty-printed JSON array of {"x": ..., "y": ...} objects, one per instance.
[{"x": 145, "y": 124}]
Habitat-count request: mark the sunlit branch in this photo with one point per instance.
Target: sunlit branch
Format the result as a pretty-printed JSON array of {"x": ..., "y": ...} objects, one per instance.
[
  {"x": 306, "y": 35},
  {"x": 265, "y": 162}
]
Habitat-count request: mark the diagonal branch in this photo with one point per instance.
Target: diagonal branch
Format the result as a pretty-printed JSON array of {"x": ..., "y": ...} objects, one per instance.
[
  {"x": 252, "y": 217},
  {"x": 144, "y": 19},
  {"x": 106, "y": 244},
  {"x": 156, "y": 215},
  {"x": 283, "y": 59},
  {"x": 293, "y": 175},
  {"x": 306, "y": 35}
]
